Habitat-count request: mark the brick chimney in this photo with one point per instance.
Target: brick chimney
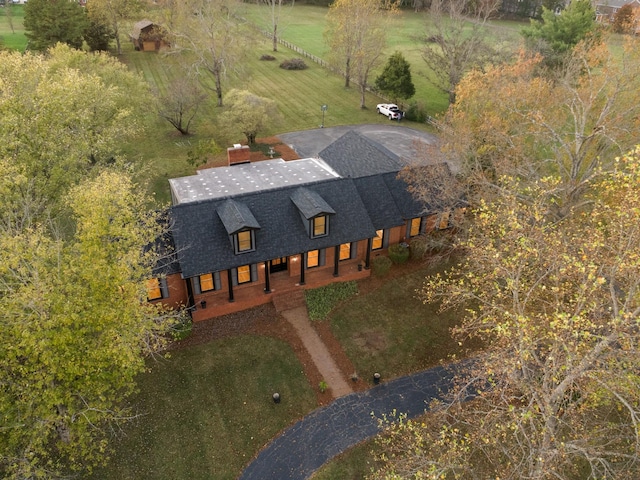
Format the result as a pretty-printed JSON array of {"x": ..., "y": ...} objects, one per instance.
[{"x": 238, "y": 154}]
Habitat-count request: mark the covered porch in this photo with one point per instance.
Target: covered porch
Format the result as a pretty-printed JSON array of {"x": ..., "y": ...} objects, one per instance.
[{"x": 281, "y": 283}]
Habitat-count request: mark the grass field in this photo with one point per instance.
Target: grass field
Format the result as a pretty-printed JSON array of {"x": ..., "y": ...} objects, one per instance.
[
  {"x": 11, "y": 32},
  {"x": 208, "y": 409}
]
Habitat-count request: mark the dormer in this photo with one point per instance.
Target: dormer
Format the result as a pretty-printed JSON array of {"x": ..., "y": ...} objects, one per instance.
[
  {"x": 240, "y": 225},
  {"x": 314, "y": 211}
]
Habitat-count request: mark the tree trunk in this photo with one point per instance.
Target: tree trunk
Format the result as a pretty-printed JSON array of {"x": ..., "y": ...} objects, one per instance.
[
  {"x": 275, "y": 38},
  {"x": 347, "y": 73},
  {"x": 218, "y": 79}
]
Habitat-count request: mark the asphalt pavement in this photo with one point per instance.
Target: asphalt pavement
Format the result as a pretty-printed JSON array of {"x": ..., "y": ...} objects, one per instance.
[{"x": 307, "y": 445}]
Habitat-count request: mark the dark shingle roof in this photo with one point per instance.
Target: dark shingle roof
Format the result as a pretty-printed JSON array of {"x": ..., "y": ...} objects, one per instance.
[
  {"x": 310, "y": 203},
  {"x": 202, "y": 241},
  {"x": 236, "y": 216},
  {"x": 354, "y": 155}
]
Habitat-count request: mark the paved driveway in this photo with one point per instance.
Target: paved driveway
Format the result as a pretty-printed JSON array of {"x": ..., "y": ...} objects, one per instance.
[{"x": 395, "y": 137}]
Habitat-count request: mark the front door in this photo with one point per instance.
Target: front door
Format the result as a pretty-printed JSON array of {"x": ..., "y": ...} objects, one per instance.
[{"x": 278, "y": 265}]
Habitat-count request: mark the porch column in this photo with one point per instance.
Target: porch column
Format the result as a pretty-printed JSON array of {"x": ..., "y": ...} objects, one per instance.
[
  {"x": 303, "y": 266},
  {"x": 267, "y": 287},
  {"x": 230, "y": 280},
  {"x": 336, "y": 260},
  {"x": 367, "y": 259},
  {"x": 190, "y": 299}
]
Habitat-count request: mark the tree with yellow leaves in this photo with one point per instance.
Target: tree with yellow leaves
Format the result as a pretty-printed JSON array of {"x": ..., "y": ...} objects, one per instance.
[{"x": 556, "y": 391}]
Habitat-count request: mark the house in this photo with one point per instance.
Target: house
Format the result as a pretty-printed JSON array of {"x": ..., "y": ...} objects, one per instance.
[
  {"x": 606, "y": 10},
  {"x": 148, "y": 36},
  {"x": 250, "y": 231}
]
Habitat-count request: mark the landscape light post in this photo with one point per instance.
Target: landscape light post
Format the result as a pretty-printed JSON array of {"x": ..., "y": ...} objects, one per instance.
[{"x": 323, "y": 108}]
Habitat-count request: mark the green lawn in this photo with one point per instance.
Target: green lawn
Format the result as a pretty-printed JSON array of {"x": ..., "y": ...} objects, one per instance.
[
  {"x": 390, "y": 331},
  {"x": 207, "y": 410},
  {"x": 11, "y": 31}
]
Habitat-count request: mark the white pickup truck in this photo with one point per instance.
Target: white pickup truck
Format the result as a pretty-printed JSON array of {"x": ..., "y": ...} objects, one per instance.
[{"x": 390, "y": 110}]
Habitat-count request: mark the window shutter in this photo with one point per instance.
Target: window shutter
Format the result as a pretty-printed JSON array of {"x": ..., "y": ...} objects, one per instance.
[{"x": 164, "y": 287}]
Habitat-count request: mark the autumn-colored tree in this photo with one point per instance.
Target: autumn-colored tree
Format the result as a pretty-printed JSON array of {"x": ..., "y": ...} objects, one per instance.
[
  {"x": 249, "y": 114},
  {"x": 455, "y": 41},
  {"x": 76, "y": 326},
  {"x": 395, "y": 79},
  {"x": 625, "y": 19},
  {"x": 511, "y": 121},
  {"x": 214, "y": 34},
  {"x": 113, "y": 13},
  {"x": 356, "y": 36},
  {"x": 65, "y": 113},
  {"x": 48, "y": 22},
  {"x": 556, "y": 391}
]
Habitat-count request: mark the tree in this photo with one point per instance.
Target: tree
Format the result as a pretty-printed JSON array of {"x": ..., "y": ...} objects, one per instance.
[
  {"x": 455, "y": 41},
  {"x": 76, "y": 324},
  {"x": 571, "y": 124},
  {"x": 556, "y": 35},
  {"x": 625, "y": 19},
  {"x": 556, "y": 391},
  {"x": 395, "y": 79},
  {"x": 66, "y": 113},
  {"x": 48, "y": 22},
  {"x": 275, "y": 12},
  {"x": 98, "y": 35},
  {"x": 113, "y": 13},
  {"x": 356, "y": 35},
  {"x": 249, "y": 113},
  {"x": 210, "y": 30},
  {"x": 180, "y": 104}
]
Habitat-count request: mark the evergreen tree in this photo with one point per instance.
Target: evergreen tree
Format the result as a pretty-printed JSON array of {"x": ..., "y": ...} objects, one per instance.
[
  {"x": 395, "y": 79},
  {"x": 48, "y": 22},
  {"x": 98, "y": 35},
  {"x": 555, "y": 35}
]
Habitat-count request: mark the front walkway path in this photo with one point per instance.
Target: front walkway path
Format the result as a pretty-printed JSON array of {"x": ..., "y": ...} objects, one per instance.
[
  {"x": 305, "y": 446},
  {"x": 331, "y": 374}
]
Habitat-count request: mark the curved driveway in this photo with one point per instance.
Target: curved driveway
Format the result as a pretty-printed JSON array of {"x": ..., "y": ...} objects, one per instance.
[{"x": 305, "y": 446}]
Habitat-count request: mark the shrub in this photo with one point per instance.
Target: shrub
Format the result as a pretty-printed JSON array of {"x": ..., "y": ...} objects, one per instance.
[
  {"x": 418, "y": 248},
  {"x": 293, "y": 64},
  {"x": 416, "y": 112},
  {"x": 182, "y": 329},
  {"x": 399, "y": 253},
  {"x": 267, "y": 57},
  {"x": 381, "y": 266},
  {"x": 320, "y": 301}
]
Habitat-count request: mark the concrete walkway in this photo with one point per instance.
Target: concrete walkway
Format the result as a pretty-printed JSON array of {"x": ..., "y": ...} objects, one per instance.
[
  {"x": 307, "y": 445},
  {"x": 330, "y": 372}
]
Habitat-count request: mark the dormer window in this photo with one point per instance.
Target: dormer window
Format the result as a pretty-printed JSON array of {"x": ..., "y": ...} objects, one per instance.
[
  {"x": 240, "y": 224},
  {"x": 244, "y": 241},
  {"x": 314, "y": 211},
  {"x": 320, "y": 226}
]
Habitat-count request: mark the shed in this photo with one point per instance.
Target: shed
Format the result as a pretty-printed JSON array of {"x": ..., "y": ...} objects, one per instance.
[{"x": 148, "y": 36}]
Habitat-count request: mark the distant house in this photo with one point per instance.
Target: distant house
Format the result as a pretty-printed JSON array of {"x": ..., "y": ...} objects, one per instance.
[
  {"x": 148, "y": 36},
  {"x": 606, "y": 10},
  {"x": 250, "y": 231}
]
